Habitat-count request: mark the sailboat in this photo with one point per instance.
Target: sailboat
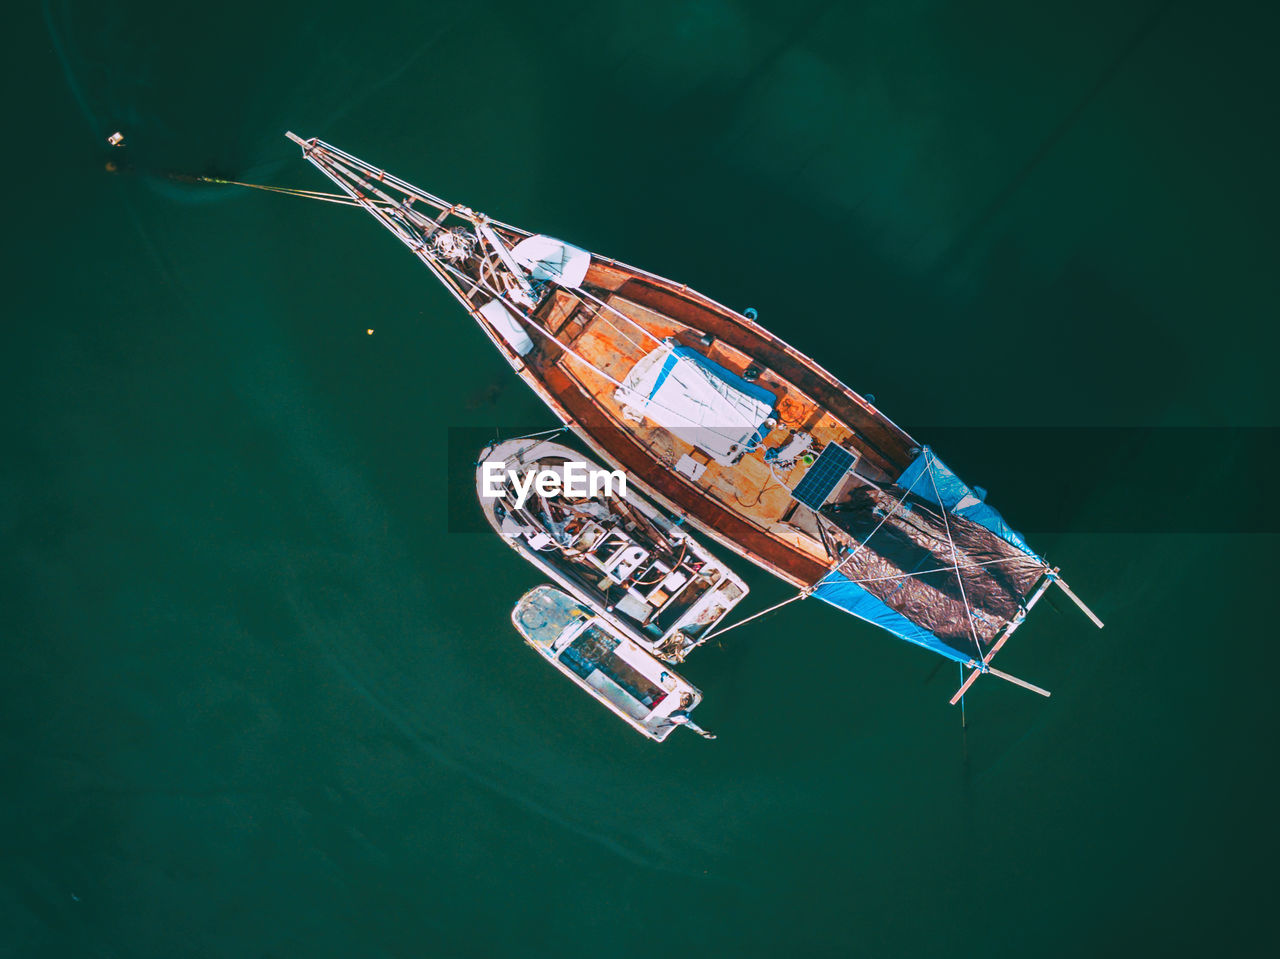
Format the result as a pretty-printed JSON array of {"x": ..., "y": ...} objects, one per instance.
[{"x": 728, "y": 428}]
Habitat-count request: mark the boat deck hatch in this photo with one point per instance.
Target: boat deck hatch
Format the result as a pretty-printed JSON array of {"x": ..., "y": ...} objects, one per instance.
[{"x": 823, "y": 476}]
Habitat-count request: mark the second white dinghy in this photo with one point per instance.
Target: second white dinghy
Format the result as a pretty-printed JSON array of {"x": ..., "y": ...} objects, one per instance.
[{"x": 612, "y": 669}]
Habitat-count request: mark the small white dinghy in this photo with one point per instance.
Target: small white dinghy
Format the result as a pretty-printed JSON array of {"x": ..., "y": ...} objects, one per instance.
[{"x": 613, "y": 669}]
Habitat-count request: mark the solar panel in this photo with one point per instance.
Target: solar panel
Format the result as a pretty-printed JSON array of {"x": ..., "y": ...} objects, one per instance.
[{"x": 821, "y": 478}]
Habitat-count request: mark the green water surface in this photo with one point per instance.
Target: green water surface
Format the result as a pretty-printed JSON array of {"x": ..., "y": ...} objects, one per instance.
[{"x": 257, "y": 700}]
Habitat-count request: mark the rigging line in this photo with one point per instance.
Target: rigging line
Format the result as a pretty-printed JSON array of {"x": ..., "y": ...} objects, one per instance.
[
  {"x": 402, "y": 205},
  {"x": 742, "y": 622},
  {"x": 523, "y": 315},
  {"x": 526, "y": 318},
  {"x": 612, "y": 309},
  {"x": 305, "y": 194},
  {"x": 316, "y": 145},
  {"x": 333, "y": 155},
  {"x": 480, "y": 280},
  {"x": 410, "y": 227},
  {"x": 387, "y": 179},
  {"x": 275, "y": 189},
  {"x": 348, "y": 180},
  {"x": 335, "y": 173},
  {"x": 533, "y": 436},
  {"x": 611, "y": 324},
  {"x": 599, "y": 316},
  {"x": 946, "y": 524},
  {"x": 482, "y": 284},
  {"x": 887, "y": 516},
  {"x": 332, "y": 159},
  {"x": 340, "y": 174},
  {"x": 940, "y": 569},
  {"x": 404, "y": 233}
]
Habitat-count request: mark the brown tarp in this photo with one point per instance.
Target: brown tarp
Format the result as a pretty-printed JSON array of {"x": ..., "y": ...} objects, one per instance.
[{"x": 914, "y": 540}]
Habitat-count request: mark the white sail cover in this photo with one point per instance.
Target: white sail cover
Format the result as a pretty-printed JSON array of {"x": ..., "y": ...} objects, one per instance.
[
  {"x": 549, "y": 259},
  {"x": 508, "y": 326},
  {"x": 698, "y": 400}
]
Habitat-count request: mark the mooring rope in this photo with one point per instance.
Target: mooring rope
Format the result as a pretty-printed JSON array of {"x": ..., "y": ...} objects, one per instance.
[{"x": 290, "y": 191}]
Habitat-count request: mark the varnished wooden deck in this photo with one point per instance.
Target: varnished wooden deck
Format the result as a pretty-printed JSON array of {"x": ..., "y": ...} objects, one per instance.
[{"x": 748, "y": 487}]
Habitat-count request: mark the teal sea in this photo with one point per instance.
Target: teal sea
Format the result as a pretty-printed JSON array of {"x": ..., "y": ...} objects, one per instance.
[{"x": 257, "y": 698}]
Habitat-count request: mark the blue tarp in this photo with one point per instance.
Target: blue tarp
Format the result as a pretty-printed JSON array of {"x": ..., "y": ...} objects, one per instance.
[
  {"x": 956, "y": 496},
  {"x": 838, "y": 590}
]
